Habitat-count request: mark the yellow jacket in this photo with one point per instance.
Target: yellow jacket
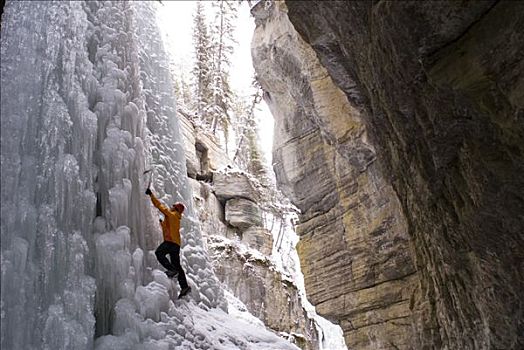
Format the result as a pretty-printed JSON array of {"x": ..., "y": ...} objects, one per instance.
[{"x": 170, "y": 224}]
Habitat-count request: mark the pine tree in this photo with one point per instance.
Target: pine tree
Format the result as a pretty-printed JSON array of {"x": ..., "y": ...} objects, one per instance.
[
  {"x": 184, "y": 97},
  {"x": 203, "y": 68},
  {"x": 186, "y": 92},
  {"x": 250, "y": 158},
  {"x": 248, "y": 154},
  {"x": 223, "y": 47}
]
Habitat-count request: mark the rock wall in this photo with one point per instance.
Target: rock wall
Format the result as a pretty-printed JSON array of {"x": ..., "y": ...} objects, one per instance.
[
  {"x": 353, "y": 237},
  {"x": 268, "y": 294},
  {"x": 239, "y": 242},
  {"x": 420, "y": 151}
]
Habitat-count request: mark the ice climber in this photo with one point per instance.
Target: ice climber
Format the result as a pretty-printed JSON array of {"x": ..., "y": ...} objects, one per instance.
[{"x": 172, "y": 241}]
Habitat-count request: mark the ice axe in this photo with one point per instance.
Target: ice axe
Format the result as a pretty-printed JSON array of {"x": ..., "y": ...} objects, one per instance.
[{"x": 150, "y": 172}]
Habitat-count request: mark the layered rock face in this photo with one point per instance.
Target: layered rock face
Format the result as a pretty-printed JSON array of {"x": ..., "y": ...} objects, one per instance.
[
  {"x": 239, "y": 242},
  {"x": 428, "y": 146},
  {"x": 353, "y": 237},
  {"x": 273, "y": 299}
]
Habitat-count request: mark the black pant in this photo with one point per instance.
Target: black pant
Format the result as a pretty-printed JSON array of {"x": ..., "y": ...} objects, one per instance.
[{"x": 173, "y": 250}]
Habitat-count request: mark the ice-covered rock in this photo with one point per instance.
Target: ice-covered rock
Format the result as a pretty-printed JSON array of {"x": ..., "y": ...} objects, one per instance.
[
  {"x": 210, "y": 211},
  {"x": 87, "y": 106},
  {"x": 240, "y": 242},
  {"x": 243, "y": 213},
  {"x": 234, "y": 184},
  {"x": 267, "y": 294},
  {"x": 203, "y": 153},
  {"x": 258, "y": 238}
]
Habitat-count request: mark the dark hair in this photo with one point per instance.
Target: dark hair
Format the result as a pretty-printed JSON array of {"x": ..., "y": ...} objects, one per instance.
[{"x": 179, "y": 207}]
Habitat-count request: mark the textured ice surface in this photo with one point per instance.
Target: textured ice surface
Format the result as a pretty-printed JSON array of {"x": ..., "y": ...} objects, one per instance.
[
  {"x": 87, "y": 105},
  {"x": 152, "y": 320}
]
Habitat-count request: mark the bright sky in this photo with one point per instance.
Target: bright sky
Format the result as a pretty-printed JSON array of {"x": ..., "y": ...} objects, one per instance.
[{"x": 176, "y": 22}]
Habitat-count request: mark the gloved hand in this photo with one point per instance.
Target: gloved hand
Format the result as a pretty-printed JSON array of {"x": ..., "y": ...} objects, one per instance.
[{"x": 148, "y": 192}]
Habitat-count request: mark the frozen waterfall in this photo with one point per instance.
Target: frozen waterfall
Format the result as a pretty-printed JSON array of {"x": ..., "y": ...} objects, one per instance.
[{"x": 86, "y": 106}]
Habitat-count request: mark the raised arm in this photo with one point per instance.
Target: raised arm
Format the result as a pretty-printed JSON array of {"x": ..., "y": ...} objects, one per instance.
[{"x": 162, "y": 207}]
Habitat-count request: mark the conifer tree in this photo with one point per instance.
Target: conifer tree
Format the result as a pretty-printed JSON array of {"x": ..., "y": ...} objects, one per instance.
[
  {"x": 248, "y": 154},
  {"x": 203, "y": 68},
  {"x": 184, "y": 97},
  {"x": 223, "y": 47}
]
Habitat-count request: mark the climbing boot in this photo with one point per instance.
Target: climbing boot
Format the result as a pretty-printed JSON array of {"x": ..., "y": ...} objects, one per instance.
[{"x": 184, "y": 291}]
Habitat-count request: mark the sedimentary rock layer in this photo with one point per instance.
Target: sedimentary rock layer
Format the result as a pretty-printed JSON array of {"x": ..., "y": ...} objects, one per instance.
[
  {"x": 439, "y": 91},
  {"x": 266, "y": 294},
  {"x": 353, "y": 236}
]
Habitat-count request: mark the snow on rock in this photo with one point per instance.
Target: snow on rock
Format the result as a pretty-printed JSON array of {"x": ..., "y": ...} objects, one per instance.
[
  {"x": 266, "y": 293},
  {"x": 238, "y": 235},
  {"x": 210, "y": 211},
  {"x": 234, "y": 184},
  {"x": 243, "y": 213},
  {"x": 258, "y": 238},
  {"x": 87, "y": 106},
  {"x": 239, "y": 310},
  {"x": 203, "y": 153},
  {"x": 152, "y": 320}
]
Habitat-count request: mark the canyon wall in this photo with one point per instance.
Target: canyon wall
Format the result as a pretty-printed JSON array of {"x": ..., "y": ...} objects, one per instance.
[
  {"x": 353, "y": 237},
  {"x": 399, "y": 134},
  {"x": 239, "y": 240}
]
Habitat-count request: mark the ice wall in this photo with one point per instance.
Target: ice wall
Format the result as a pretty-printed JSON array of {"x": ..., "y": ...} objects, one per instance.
[
  {"x": 48, "y": 198},
  {"x": 86, "y": 106},
  {"x": 167, "y": 158}
]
